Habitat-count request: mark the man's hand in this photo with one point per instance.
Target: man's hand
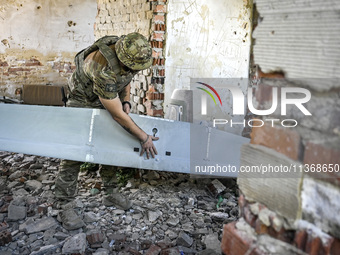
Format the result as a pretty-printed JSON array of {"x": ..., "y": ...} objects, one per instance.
[
  {"x": 126, "y": 108},
  {"x": 149, "y": 147},
  {"x": 115, "y": 108}
]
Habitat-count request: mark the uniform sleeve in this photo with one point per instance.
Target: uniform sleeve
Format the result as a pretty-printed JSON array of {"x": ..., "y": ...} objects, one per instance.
[{"x": 104, "y": 80}]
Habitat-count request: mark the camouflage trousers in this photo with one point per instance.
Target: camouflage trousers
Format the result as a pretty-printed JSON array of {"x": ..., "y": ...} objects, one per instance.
[
  {"x": 66, "y": 182},
  {"x": 67, "y": 179}
]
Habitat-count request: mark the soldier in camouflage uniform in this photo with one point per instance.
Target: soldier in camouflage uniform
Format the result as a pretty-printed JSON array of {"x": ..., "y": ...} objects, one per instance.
[{"x": 101, "y": 80}]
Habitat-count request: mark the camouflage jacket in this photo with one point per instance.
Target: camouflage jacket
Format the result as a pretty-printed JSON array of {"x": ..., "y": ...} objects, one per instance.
[{"x": 106, "y": 83}]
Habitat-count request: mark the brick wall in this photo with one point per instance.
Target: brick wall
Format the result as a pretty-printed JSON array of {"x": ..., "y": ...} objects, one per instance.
[
  {"x": 291, "y": 213},
  {"x": 148, "y": 18},
  {"x": 17, "y": 71}
]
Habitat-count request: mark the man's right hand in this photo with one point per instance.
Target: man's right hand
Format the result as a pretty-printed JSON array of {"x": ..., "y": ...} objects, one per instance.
[{"x": 149, "y": 147}]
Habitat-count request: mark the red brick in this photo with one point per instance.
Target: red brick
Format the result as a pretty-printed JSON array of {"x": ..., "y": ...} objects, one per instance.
[
  {"x": 4, "y": 208},
  {"x": 334, "y": 247},
  {"x": 264, "y": 94},
  {"x": 33, "y": 62},
  {"x": 283, "y": 140},
  {"x": 154, "y": 96},
  {"x": 153, "y": 250},
  {"x": 157, "y": 54},
  {"x": 234, "y": 243},
  {"x": 314, "y": 246},
  {"x": 157, "y": 44},
  {"x": 300, "y": 239},
  {"x": 260, "y": 228},
  {"x": 272, "y": 75},
  {"x": 322, "y": 155},
  {"x": 242, "y": 202},
  {"x": 133, "y": 251},
  {"x": 95, "y": 238},
  {"x": 159, "y": 36},
  {"x": 160, "y": 8},
  {"x": 159, "y": 27},
  {"x": 153, "y": 112},
  {"x": 5, "y": 237},
  {"x": 171, "y": 251},
  {"x": 3, "y": 226},
  {"x": 164, "y": 244},
  {"x": 151, "y": 89},
  {"x": 8, "y": 198},
  {"x": 15, "y": 69},
  {"x": 3, "y": 63},
  {"x": 159, "y": 19},
  {"x": 249, "y": 217},
  {"x": 282, "y": 235}
]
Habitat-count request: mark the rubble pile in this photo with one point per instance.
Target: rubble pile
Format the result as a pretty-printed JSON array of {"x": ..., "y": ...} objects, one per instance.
[{"x": 172, "y": 213}]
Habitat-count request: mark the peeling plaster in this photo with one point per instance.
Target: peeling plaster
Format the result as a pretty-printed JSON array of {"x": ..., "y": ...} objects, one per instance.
[
  {"x": 44, "y": 25},
  {"x": 49, "y": 31},
  {"x": 201, "y": 42}
]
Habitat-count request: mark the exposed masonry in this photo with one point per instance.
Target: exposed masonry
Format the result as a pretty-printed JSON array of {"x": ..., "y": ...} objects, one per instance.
[
  {"x": 148, "y": 18},
  {"x": 113, "y": 18},
  {"x": 15, "y": 72}
]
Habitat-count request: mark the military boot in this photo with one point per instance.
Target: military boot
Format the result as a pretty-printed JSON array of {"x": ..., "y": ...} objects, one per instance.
[
  {"x": 118, "y": 200},
  {"x": 112, "y": 195}
]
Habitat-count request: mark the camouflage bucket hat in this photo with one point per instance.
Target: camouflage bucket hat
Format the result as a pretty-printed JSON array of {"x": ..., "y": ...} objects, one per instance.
[{"x": 134, "y": 51}]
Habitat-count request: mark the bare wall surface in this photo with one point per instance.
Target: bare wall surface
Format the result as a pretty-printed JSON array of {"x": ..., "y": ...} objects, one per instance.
[
  {"x": 40, "y": 38},
  {"x": 206, "y": 39}
]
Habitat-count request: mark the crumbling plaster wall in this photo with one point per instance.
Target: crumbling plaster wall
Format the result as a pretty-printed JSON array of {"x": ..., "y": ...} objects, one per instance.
[
  {"x": 40, "y": 38},
  {"x": 206, "y": 40},
  {"x": 287, "y": 211}
]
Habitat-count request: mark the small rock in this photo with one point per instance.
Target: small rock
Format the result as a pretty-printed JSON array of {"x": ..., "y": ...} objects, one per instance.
[
  {"x": 94, "y": 191},
  {"x": 15, "y": 175},
  {"x": 208, "y": 252},
  {"x": 40, "y": 225},
  {"x": 60, "y": 235},
  {"x": 33, "y": 185},
  {"x": 73, "y": 204},
  {"x": 146, "y": 244},
  {"x": 128, "y": 219},
  {"x": 171, "y": 251},
  {"x": 101, "y": 251},
  {"x": 184, "y": 240},
  {"x": 219, "y": 216},
  {"x": 191, "y": 201},
  {"x": 211, "y": 242},
  {"x": 13, "y": 184},
  {"x": 75, "y": 244},
  {"x": 118, "y": 211},
  {"x": 20, "y": 192},
  {"x": 153, "y": 216},
  {"x": 216, "y": 187},
  {"x": 16, "y": 212},
  {"x": 173, "y": 221},
  {"x": 171, "y": 234},
  {"x": 186, "y": 250},
  {"x": 90, "y": 217},
  {"x": 48, "y": 249}
]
